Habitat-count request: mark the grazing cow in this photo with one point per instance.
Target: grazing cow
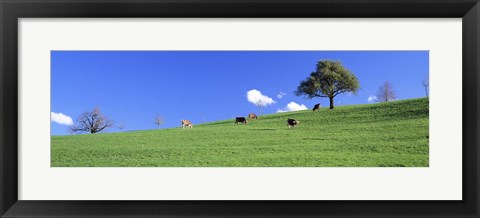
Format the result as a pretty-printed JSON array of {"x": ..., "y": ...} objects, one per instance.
[
  {"x": 291, "y": 123},
  {"x": 241, "y": 120},
  {"x": 186, "y": 124},
  {"x": 317, "y": 107},
  {"x": 252, "y": 116}
]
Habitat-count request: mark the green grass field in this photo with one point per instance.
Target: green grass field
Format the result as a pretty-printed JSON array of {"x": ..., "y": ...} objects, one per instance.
[{"x": 393, "y": 134}]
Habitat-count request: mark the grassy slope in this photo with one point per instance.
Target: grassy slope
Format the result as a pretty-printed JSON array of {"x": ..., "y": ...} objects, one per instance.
[{"x": 385, "y": 134}]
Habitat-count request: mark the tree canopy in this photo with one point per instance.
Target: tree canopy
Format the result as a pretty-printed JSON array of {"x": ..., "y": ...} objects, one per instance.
[{"x": 330, "y": 79}]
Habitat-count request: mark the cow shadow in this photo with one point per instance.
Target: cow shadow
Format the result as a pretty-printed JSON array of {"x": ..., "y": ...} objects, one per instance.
[{"x": 321, "y": 139}]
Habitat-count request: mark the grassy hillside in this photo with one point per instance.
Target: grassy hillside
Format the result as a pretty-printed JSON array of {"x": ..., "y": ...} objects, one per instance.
[{"x": 374, "y": 135}]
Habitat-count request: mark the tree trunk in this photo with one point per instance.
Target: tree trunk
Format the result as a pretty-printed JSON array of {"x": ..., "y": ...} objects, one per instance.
[{"x": 331, "y": 102}]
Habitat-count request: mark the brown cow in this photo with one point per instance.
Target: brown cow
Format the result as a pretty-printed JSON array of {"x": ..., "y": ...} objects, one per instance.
[
  {"x": 186, "y": 124},
  {"x": 252, "y": 116}
]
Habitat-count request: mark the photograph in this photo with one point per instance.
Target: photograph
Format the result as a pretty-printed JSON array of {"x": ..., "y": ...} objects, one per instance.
[
  {"x": 283, "y": 108},
  {"x": 235, "y": 108}
]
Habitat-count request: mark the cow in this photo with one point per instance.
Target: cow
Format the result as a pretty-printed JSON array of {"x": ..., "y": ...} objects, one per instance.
[
  {"x": 317, "y": 107},
  {"x": 186, "y": 124},
  {"x": 291, "y": 123},
  {"x": 252, "y": 116},
  {"x": 241, "y": 120}
]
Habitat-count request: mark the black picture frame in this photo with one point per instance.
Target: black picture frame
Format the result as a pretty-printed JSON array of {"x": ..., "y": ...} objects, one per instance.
[{"x": 12, "y": 10}]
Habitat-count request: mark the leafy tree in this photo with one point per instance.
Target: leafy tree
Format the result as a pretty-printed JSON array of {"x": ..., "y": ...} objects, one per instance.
[
  {"x": 330, "y": 79},
  {"x": 385, "y": 92},
  {"x": 93, "y": 121}
]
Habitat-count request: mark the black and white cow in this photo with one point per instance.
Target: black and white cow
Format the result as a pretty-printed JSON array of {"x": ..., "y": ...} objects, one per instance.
[
  {"x": 241, "y": 120},
  {"x": 291, "y": 123}
]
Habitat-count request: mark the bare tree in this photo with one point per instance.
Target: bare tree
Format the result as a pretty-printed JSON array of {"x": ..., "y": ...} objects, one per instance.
[
  {"x": 426, "y": 84},
  {"x": 159, "y": 120},
  {"x": 385, "y": 92},
  {"x": 121, "y": 126},
  {"x": 260, "y": 104},
  {"x": 93, "y": 121},
  {"x": 258, "y": 99}
]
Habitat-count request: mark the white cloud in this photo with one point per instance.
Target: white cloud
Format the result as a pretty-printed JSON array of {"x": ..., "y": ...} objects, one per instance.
[
  {"x": 372, "y": 98},
  {"x": 292, "y": 106},
  {"x": 258, "y": 99},
  {"x": 281, "y": 94},
  {"x": 61, "y": 119}
]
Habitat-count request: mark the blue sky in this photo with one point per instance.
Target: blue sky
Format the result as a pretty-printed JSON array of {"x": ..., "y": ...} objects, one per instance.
[{"x": 131, "y": 87}]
